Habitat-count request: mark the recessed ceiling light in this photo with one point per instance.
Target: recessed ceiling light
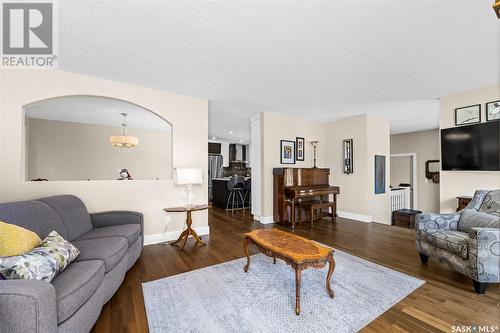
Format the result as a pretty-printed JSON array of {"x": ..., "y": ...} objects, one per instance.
[
  {"x": 213, "y": 138},
  {"x": 231, "y": 132},
  {"x": 241, "y": 141}
]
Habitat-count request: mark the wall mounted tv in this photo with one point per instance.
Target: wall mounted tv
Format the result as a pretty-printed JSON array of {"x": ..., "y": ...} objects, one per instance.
[{"x": 473, "y": 147}]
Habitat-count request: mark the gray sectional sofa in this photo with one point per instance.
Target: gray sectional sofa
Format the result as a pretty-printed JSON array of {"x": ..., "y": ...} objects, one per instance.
[{"x": 109, "y": 244}]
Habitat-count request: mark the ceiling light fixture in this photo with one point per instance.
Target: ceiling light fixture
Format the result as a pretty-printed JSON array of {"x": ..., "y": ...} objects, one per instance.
[
  {"x": 496, "y": 8},
  {"x": 231, "y": 132},
  {"x": 123, "y": 140}
]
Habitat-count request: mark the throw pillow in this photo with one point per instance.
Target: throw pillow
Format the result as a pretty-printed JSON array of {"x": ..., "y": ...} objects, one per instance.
[
  {"x": 15, "y": 240},
  {"x": 42, "y": 263},
  {"x": 491, "y": 203},
  {"x": 471, "y": 218}
]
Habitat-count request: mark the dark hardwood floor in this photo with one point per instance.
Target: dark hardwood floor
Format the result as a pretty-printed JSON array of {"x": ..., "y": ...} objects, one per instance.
[{"x": 446, "y": 299}]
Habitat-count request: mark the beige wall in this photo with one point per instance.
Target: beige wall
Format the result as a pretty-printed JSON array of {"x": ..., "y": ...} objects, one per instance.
[
  {"x": 276, "y": 127},
  {"x": 426, "y": 145},
  {"x": 401, "y": 170},
  {"x": 60, "y": 150},
  {"x": 189, "y": 117},
  {"x": 455, "y": 183},
  {"x": 352, "y": 186},
  {"x": 378, "y": 141},
  {"x": 370, "y": 136}
]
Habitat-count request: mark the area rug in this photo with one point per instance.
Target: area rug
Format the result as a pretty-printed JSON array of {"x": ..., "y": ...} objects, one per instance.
[{"x": 222, "y": 298}]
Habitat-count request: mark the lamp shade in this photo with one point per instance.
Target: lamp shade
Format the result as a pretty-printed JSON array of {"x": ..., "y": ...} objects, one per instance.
[{"x": 189, "y": 176}]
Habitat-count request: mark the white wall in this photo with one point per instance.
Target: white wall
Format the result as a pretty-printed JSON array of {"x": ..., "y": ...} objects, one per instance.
[
  {"x": 21, "y": 87},
  {"x": 456, "y": 183}
]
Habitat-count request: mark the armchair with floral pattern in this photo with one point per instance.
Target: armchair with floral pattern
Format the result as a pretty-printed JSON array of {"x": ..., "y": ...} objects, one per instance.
[{"x": 468, "y": 241}]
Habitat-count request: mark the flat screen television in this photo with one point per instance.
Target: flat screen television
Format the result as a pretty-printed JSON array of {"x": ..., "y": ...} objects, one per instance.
[{"x": 471, "y": 147}]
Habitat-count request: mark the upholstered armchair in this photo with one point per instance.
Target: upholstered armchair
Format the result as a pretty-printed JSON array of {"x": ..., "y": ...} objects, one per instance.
[{"x": 468, "y": 241}]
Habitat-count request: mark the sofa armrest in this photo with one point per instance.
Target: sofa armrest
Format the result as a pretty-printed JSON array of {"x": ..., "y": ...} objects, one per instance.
[
  {"x": 432, "y": 221},
  {"x": 117, "y": 217},
  {"x": 484, "y": 254},
  {"x": 27, "y": 306}
]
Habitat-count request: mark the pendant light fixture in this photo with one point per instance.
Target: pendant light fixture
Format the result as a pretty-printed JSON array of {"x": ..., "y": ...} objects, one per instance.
[{"x": 123, "y": 140}]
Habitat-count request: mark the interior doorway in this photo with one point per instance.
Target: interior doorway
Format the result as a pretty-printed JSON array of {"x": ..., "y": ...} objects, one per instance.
[{"x": 403, "y": 180}]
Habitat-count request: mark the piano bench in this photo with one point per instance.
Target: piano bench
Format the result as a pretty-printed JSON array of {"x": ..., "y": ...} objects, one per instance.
[{"x": 312, "y": 206}]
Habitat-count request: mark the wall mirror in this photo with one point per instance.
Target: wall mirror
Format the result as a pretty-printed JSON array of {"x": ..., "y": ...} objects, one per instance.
[{"x": 95, "y": 138}]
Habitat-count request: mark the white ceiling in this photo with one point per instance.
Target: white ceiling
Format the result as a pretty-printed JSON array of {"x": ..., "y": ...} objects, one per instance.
[
  {"x": 320, "y": 60},
  {"x": 97, "y": 111}
]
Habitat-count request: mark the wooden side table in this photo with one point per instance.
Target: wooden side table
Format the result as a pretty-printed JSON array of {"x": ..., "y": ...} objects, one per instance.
[{"x": 189, "y": 231}]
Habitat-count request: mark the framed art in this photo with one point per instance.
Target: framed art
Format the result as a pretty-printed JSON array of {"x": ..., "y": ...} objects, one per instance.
[
  {"x": 468, "y": 115},
  {"x": 493, "y": 110},
  {"x": 287, "y": 152},
  {"x": 379, "y": 174},
  {"x": 348, "y": 156},
  {"x": 299, "y": 148}
]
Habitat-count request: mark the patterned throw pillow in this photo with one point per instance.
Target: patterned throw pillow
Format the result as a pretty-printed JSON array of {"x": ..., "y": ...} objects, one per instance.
[{"x": 42, "y": 263}]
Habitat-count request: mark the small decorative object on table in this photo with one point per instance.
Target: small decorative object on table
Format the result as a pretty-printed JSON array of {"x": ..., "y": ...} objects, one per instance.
[
  {"x": 298, "y": 252},
  {"x": 124, "y": 174},
  {"x": 287, "y": 152},
  {"x": 468, "y": 115},
  {"x": 189, "y": 230},
  {"x": 493, "y": 110},
  {"x": 348, "y": 156},
  {"x": 300, "y": 148}
]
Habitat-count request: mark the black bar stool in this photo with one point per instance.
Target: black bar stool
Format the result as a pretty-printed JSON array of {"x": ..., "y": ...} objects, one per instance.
[
  {"x": 248, "y": 191},
  {"x": 235, "y": 187}
]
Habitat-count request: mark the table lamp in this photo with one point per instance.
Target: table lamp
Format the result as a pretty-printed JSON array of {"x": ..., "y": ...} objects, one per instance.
[{"x": 189, "y": 177}]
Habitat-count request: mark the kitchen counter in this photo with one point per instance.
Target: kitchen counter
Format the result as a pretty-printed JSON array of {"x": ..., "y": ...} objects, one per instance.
[{"x": 220, "y": 192}]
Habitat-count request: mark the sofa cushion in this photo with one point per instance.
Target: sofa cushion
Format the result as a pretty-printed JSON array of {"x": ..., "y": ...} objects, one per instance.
[
  {"x": 130, "y": 231},
  {"x": 453, "y": 241},
  {"x": 491, "y": 203},
  {"x": 33, "y": 215},
  {"x": 75, "y": 285},
  {"x": 110, "y": 250},
  {"x": 72, "y": 212},
  {"x": 471, "y": 218}
]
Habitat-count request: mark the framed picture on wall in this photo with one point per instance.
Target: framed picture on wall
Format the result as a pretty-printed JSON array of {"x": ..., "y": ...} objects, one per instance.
[
  {"x": 299, "y": 148},
  {"x": 493, "y": 110},
  {"x": 287, "y": 152},
  {"x": 468, "y": 115}
]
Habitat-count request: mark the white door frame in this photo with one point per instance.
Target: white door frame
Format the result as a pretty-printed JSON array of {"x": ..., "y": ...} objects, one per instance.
[{"x": 414, "y": 174}]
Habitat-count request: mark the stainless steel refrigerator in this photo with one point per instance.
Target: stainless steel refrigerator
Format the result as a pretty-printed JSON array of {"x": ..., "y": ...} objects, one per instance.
[{"x": 215, "y": 163}]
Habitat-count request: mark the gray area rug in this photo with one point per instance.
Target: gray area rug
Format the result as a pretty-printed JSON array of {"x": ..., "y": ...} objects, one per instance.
[{"x": 222, "y": 298}]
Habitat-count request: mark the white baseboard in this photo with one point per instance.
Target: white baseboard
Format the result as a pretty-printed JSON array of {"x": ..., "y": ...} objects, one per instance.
[
  {"x": 172, "y": 235},
  {"x": 357, "y": 217},
  {"x": 264, "y": 219}
]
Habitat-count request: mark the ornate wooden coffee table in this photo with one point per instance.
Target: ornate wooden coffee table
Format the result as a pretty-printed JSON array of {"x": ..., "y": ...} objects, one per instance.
[{"x": 298, "y": 252}]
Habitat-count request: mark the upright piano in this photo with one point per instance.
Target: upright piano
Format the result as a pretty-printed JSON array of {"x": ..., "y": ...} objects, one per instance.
[{"x": 291, "y": 185}]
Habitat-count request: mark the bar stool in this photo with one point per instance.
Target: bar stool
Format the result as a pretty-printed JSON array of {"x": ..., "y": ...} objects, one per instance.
[
  {"x": 248, "y": 190},
  {"x": 235, "y": 186}
]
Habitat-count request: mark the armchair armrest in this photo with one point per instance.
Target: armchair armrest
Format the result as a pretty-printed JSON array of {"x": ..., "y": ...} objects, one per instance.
[
  {"x": 433, "y": 221},
  {"x": 105, "y": 219},
  {"x": 484, "y": 254},
  {"x": 27, "y": 306}
]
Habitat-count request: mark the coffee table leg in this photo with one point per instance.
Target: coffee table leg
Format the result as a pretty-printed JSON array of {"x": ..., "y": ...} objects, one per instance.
[
  {"x": 297, "y": 290},
  {"x": 245, "y": 248},
  {"x": 331, "y": 266}
]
